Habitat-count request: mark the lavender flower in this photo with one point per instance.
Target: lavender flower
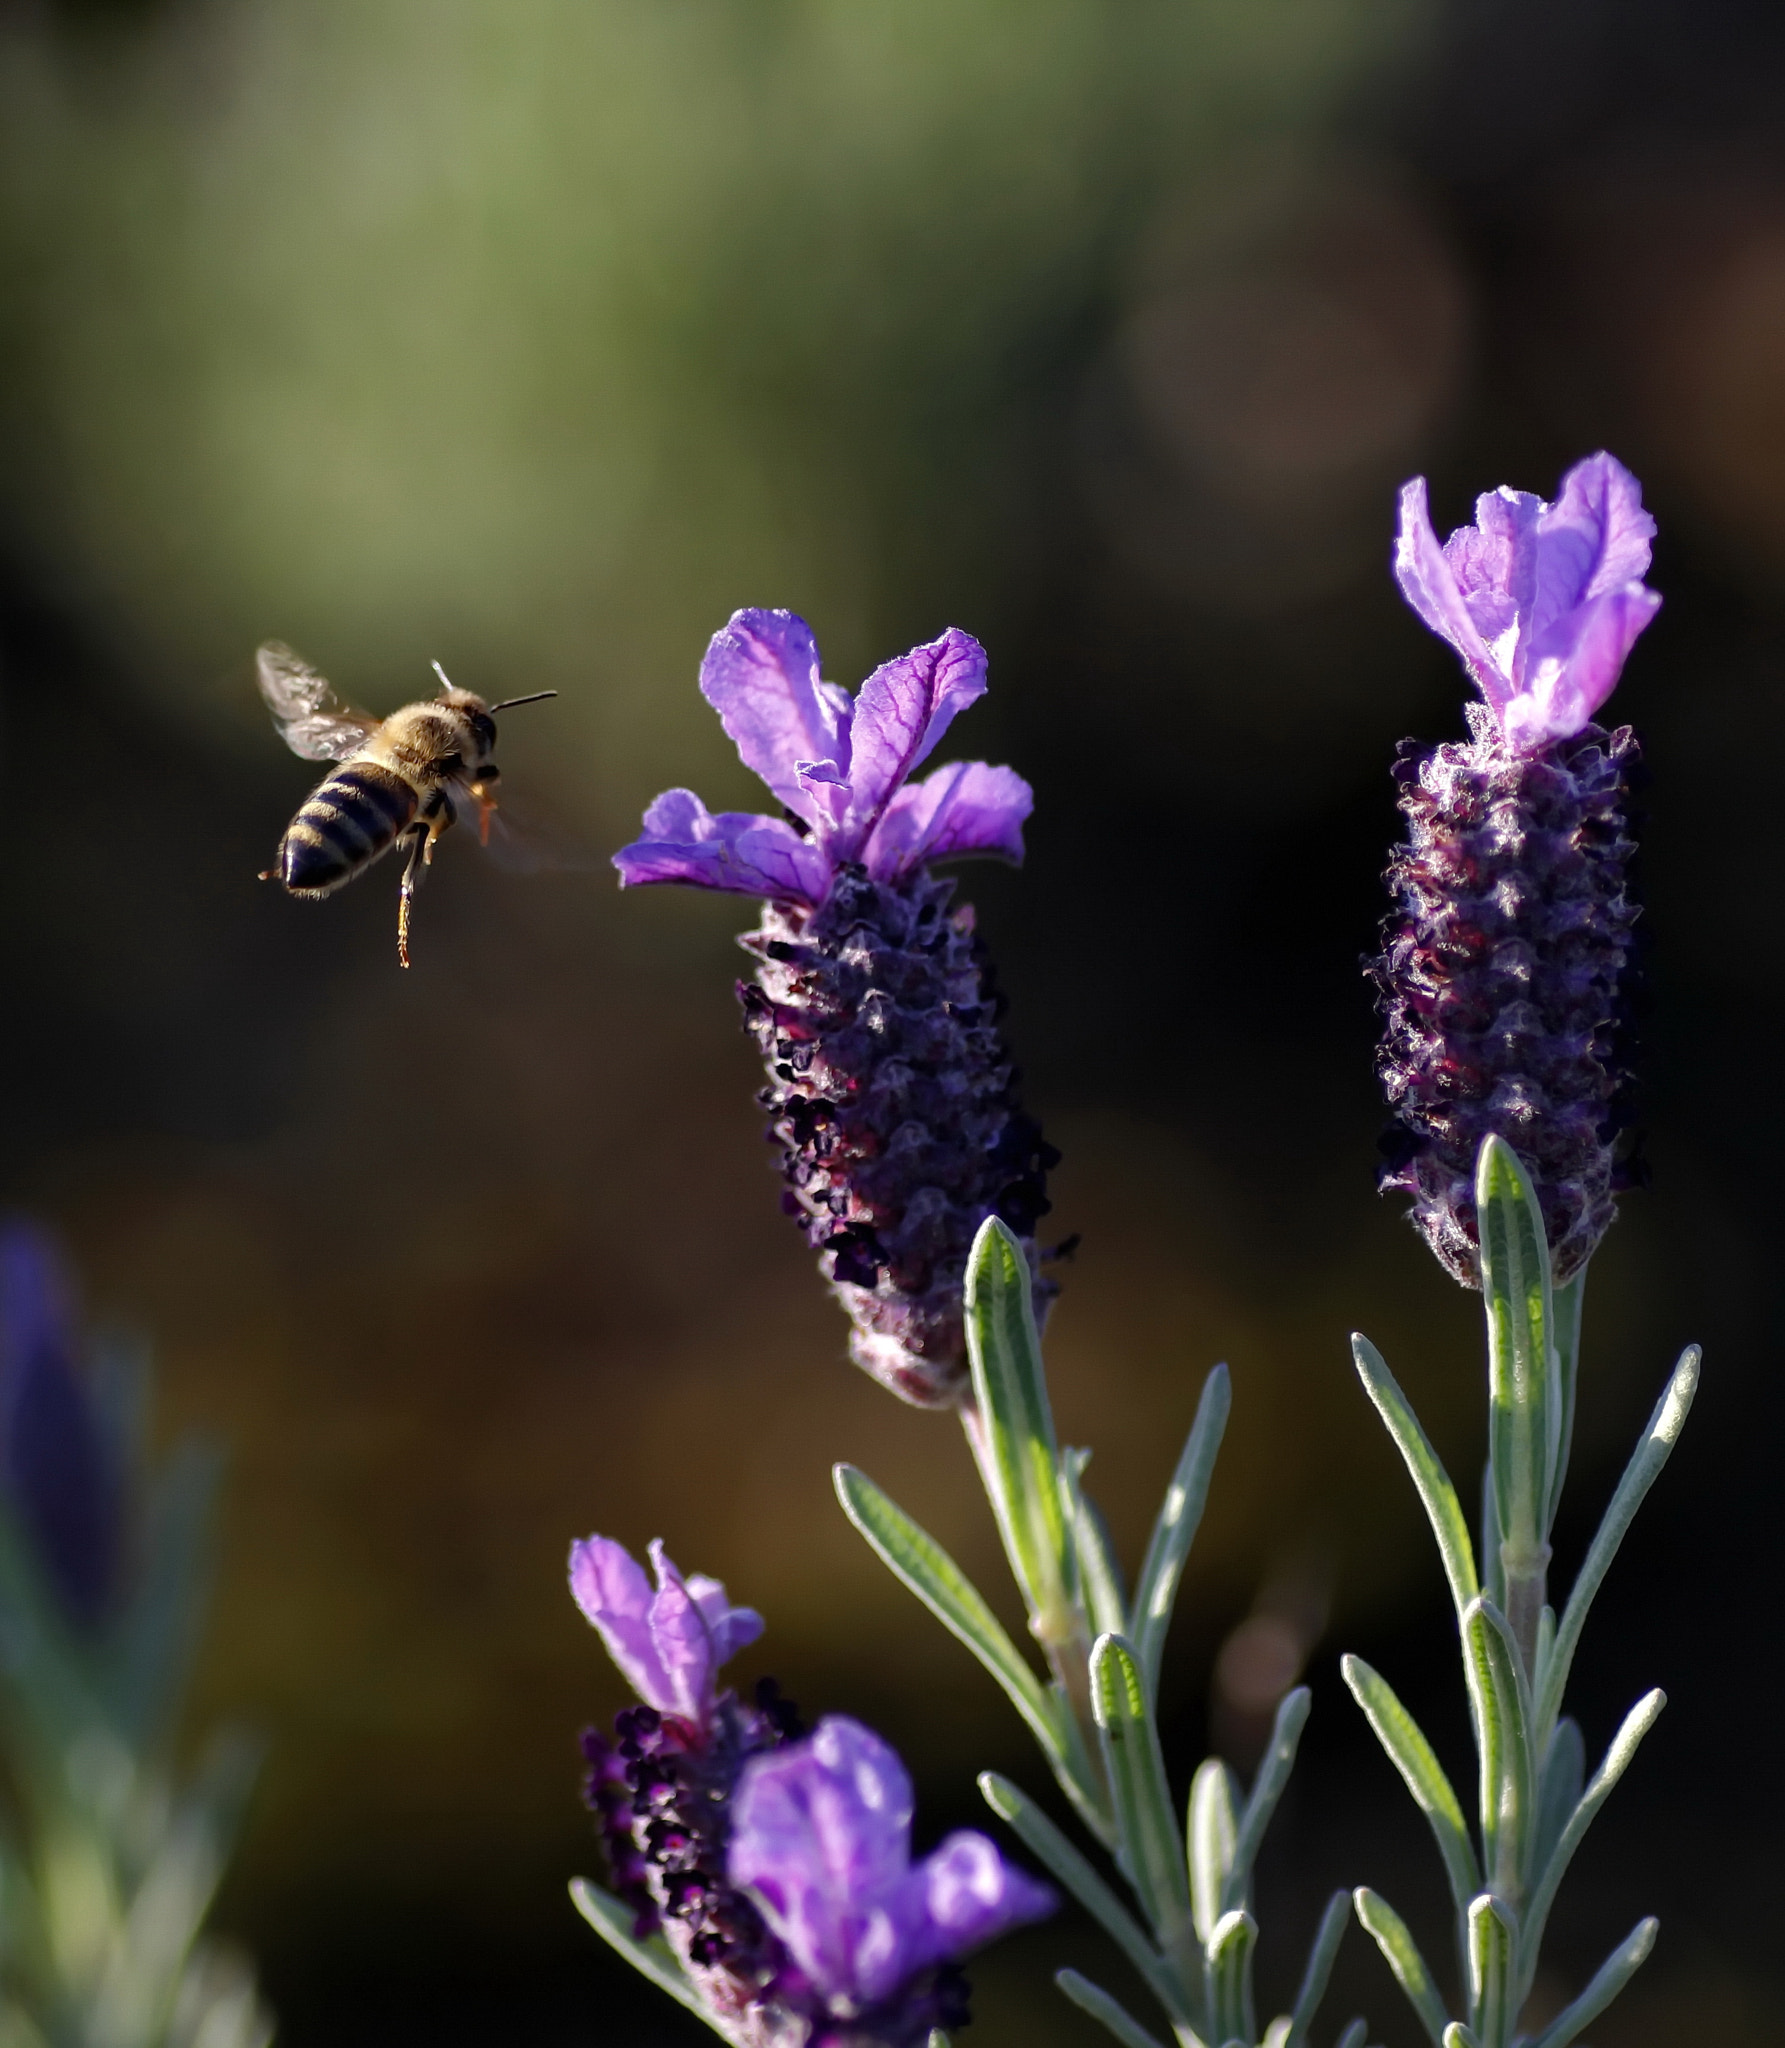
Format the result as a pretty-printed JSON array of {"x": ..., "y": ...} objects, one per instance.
[
  {"x": 59, "y": 1473},
  {"x": 821, "y": 1834},
  {"x": 890, "y": 1091},
  {"x": 1504, "y": 976}
]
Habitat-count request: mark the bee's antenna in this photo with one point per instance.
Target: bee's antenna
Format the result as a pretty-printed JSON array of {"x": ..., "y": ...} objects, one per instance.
[
  {"x": 508, "y": 703},
  {"x": 441, "y": 673}
]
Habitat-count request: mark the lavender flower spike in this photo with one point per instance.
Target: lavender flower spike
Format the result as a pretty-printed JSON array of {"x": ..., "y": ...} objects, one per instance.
[
  {"x": 821, "y": 1835},
  {"x": 890, "y": 1091},
  {"x": 1505, "y": 975}
]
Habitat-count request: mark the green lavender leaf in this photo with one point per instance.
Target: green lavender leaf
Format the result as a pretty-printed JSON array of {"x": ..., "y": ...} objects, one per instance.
[
  {"x": 1092, "y": 1998},
  {"x": 1212, "y": 1833},
  {"x": 1566, "y": 1304},
  {"x": 1439, "y": 1497},
  {"x": 1640, "y": 1474},
  {"x": 1322, "y": 1953},
  {"x": 1146, "y": 1826},
  {"x": 1412, "y": 1755},
  {"x": 1157, "y": 1587},
  {"x": 920, "y": 1563},
  {"x": 1022, "y": 1465},
  {"x": 652, "y": 1959},
  {"x": 1456, "y": 2035},
  {"x": 1099, "y": 1575},
  {"x": 1229, "y": 1957},
  {"x": 1502, "y": 1710},
  {"x": 1559, "y": 1786},
  {"x": 1491, "y": 1942},
  {"x": 1401, "y": 1953},
  {"x": 1636, "y": 1724},
  {"x": 1354, "y": 2036},
  {"x": 1267, "y": 1789},
  {"x": 1044, "y": 1841},
  {"x": 1616, "y": 1971},
  {"x": 1524, "y": 1392}
]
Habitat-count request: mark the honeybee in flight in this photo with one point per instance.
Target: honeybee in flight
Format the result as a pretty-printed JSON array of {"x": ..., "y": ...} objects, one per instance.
[{"x": 402, "y": 778}]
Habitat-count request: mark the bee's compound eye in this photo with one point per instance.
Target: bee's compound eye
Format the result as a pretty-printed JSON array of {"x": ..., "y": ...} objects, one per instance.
[
  {"x": 485, "y": 728},
  {"x": 450, "y": 764}
]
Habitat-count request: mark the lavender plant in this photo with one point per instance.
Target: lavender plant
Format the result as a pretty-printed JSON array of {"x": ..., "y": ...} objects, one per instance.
[
  {"x": 763, "y": 1877},
  {"x": 1504, "y": 983},
  {"x": 108, "y": 1860},
  {"x": 1504, "y": 979}
]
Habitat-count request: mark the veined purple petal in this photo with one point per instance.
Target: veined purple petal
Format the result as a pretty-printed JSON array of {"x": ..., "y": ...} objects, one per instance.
[
  {"x": 732, "y": 1628},
  {"x": 968, "y": 807},
  {"x": 970, "y": 1895},
  {"x": 1495, "y": 564},
  {"x": 741, "y": 851},
  {"x": 1566, "y": 686},
  {"x": 610, "y": 1587},
  {"x": 1429, "y": 584},
  {"x": 761, "y": 675},
  {"x": 1594, "y": 538},
  {"x": 903, "y": 710}
]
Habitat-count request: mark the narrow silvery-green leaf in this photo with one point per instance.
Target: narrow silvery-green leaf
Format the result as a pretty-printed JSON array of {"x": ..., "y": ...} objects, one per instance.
[
  {"x": 1212, "y": 1833},
  {"x": 652, "y": 1959},
  {"x": 1524, "y": 1411},
  {"x": 1355, "y": 2035},
  {"x": 1443, "y": 1510},
  {"x": 1400, "y": 1951},
  {"x": 1502, "y": 1712},
  {"x": 1267, "y": 1788},
  {"x": 1157, "y": 1587},
  {"x": 1412, "y": 1755},
  {"x": 1493, "y": 1570},
  {"x": 1560, "y": 1782},
  {"x": 1492, "y": 2000},
  {"x": 1099, "y": 1575},
  {"x": 1020, "y": 1459},
  {"x": 1276, "y": 2035},
  {"x": 1146, "y": 1826},
  {"x": 1049, "y": 1846},
  {"x": 1322, "y": 1954},
  {"x": 921, "y": 1563},
  {"x": 1551, "y": 1870},
  {"x": 1565, "y": 1308},
  {"x": 1229, "y": 1959},
  {"x": 1456, "y": 2035},
  {"x": 1617, "y": 1970},
  {"x": 1092, "y": 1998},
  {"x": 938, "y": 2039},
  {"x": 1640, "y": 1474}
]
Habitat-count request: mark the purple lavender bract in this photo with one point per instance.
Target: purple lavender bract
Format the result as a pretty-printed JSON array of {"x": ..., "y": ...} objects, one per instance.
[
  {"x": 1504, "y": 974},
  {"x": 821, "y": 1834},
  {"x": 890, "y": 1090}
]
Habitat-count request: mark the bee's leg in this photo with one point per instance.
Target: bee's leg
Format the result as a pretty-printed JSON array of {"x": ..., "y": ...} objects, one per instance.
[
  {"x": 486, "y": 803},
  {"x": 436, "y": 818},
  {"x": 419, "y": 842}
]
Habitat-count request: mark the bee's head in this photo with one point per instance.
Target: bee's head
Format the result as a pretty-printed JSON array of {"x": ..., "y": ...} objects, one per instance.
[{"x": 477, "y": 714}]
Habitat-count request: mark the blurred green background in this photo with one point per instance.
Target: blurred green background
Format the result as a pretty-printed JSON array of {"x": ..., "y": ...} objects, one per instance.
[{"x": 537, "y": 337}]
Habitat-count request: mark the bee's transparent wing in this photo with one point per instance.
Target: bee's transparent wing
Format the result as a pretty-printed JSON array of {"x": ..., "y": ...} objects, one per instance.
[
  {"x": 312, "y": 720},
  {"x": 523, "y": 845}
]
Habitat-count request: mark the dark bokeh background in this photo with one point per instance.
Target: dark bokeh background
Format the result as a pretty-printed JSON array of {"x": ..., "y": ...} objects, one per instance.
[{"x": 539, "y": 336}]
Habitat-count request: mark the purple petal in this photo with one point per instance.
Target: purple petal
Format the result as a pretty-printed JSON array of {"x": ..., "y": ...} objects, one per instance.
[
  {"x": 1568, "y": 678},
  {"x": 903, "y": 710},
  {"x": 741, "y": 851},
  {"x": 821, "y": 1833},
  {"x": 681, "y": 1639},
  {"x": 1595, "y": 538},
  {"x": 1495, "y": 563},
  {"x": 1429, "y": 583},
  {"x": 731, "y": 1628},
  {"x": 970, "y": 1895},
  {"x": 610, "y": 1586},
  {"x": 967, "y": 807},
  {"x": 761, "y": 675}
]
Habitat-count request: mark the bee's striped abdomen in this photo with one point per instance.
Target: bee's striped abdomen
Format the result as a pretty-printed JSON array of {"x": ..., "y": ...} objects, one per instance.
[{"x": 343, "y": 826}]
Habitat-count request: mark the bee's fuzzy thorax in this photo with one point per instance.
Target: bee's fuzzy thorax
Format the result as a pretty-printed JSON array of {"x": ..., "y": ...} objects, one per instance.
[
  {"x": 893, "y": 1098},
  {"x": 1506, "y": 984}
]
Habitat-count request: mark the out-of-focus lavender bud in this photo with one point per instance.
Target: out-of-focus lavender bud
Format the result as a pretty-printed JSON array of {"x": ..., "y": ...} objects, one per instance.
[
  {"x": 890, "y": 1091},
  {"x": 1505, "y": 968},
  {"x": 58, "y": 1470},
  {"x": 821, "y": 1836},
  {"x": 662, "y": 1784}
]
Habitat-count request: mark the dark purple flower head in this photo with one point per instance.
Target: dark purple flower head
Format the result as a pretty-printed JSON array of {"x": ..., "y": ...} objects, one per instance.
[
  {"x": 58, "y": 1470},
  {"x": 839, "y": 765},
  {"x": 1543, "y": 602},
  {"x": 1505, "y": 973},
  {"x": 890, "y": 1091},
  {"x": 821, "y": 1836},
  {"x": 668, "y": 1643}
]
